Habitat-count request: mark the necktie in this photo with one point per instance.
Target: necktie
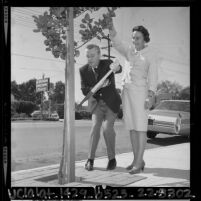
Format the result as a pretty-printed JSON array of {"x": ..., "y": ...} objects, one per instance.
[{"x": 96, "y": 73}]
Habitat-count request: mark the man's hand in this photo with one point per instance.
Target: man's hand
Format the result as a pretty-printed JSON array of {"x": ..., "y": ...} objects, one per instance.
[
  {"x": 106, "y": 83},
  {"x": 92, "y": 99},
  {"x": 115, "y": 66}
]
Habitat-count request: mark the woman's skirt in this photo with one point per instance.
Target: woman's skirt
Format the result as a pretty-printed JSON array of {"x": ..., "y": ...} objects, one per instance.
[{"x": 135, "y": 116}]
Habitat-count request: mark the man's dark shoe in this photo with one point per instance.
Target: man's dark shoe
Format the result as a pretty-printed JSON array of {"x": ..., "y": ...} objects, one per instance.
[
  {"x": 112, "y": 164},
  {"x": 89, "y": 164}
]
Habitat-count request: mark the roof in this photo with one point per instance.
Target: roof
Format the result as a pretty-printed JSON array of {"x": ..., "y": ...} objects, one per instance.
[{"x": 176, "y": 100}]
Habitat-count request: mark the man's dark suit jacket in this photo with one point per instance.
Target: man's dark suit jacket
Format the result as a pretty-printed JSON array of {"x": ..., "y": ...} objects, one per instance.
[{"x": 109, "y": 93}]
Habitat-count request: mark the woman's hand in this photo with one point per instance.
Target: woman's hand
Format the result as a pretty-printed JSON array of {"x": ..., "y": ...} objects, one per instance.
[
  {"x": 109, "y": 22},
  {"x": 150, "y": 101},
  {"x": 110, "y": 26}
]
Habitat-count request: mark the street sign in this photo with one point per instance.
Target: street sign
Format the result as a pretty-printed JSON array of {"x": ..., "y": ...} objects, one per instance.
[{"x": 42, "y": 84}]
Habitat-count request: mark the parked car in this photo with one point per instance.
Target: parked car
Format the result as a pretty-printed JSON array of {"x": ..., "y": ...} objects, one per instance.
[
  {"x": 36, "y": 115},
  {"x": 54, "y": 116},
  {"x": 170, "y": 117}
]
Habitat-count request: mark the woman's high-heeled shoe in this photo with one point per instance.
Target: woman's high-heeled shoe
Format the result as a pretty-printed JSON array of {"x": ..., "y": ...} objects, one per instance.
[
  {"x": 135, "y": 170},
  {"x": 132, "y": 164}
]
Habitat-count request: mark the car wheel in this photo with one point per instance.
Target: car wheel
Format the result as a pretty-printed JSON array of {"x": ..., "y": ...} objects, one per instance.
[
  {"x": 186, "y": 137},
  {"x": 151, "y": 134}
]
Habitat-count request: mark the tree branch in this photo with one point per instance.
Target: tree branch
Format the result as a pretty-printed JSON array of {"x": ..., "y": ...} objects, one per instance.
[
  {"x": 82, "y": 44},
  {"x": 85, "y": 42}
]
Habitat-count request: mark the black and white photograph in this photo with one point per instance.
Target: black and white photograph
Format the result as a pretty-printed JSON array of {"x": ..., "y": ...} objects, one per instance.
[{"x": 100, "y": 96}]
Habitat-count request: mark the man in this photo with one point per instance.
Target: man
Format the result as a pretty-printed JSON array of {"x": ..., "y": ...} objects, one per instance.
[{"x": 104, "y": 105}]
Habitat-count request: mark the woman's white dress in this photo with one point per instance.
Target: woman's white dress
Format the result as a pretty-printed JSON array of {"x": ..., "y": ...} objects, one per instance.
[{"x": 140, "y": 75}]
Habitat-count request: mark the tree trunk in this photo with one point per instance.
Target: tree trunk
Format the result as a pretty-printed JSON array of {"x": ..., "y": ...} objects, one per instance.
[{"x": 67, "y": 165}]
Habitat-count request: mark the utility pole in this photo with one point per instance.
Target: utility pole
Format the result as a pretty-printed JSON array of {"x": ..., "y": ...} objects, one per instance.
[
  {"x": 49, "y": 93},
  {"x": 43, "y": 76},
  {"x": 67, "y": 166}
]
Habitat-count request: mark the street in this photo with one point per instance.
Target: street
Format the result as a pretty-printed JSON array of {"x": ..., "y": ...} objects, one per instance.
[{"x": 36, "y": 144}]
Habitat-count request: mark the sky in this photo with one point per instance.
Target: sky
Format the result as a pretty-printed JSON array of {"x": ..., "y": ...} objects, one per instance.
[{"x": 169, "y": 29}]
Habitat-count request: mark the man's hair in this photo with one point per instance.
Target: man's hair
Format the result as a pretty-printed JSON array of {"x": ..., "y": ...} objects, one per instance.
[{"x": 91, "y": 46}]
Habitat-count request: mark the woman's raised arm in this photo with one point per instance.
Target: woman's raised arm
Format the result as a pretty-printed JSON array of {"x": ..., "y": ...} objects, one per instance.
[{"x": 116, "y": 42}]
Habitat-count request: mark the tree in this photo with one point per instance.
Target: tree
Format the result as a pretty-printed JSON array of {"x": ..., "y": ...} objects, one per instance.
[
  {"x": 26, "y": 107},
  {"x": 56, "y": 26},
  {"x": 185, "y": 93},
  {"x": 172, "y": 88},
  {"x": 60, "y": 111},
  {"x": 27, "y": 91},
  {"x": 13, "y": 109},
  {"x": 59, "y": 92},
  {"x": 15, "y": 90},
  {"x": 53, "y": 25}
]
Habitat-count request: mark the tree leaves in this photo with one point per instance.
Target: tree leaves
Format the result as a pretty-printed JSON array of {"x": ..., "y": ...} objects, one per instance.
[
  {"x": 58, "y": 11},
  {"x": 87, "y": 17},
  {"x": 98, "y": 37},
  {"x": 77, "y": 53},
  {"x": 64, "y": 37},
  {"x": 62, "y": 56},
  {"x": 46, "y": 42},
  {"x": 82, "y": 26},
  {"x": 82, "y": 32},
  {"x": 52, "y": 25},
  {"x": 96, "y": 29},
  {"x": 84, "y": 21},
  {"x": 36, "y": 30}
]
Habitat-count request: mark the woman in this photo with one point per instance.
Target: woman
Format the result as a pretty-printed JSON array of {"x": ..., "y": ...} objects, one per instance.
[{"x": 140, "y": 82}]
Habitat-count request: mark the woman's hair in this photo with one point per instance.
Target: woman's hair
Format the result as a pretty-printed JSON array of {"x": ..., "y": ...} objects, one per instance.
[{"x": 144, "y": 32}]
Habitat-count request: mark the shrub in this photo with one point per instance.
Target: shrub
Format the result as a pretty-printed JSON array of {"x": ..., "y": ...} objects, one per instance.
[
  {"x": 85, "y": 115},
  {"x": 77, "y": 115},
  {"x": 26, "y": 107}
]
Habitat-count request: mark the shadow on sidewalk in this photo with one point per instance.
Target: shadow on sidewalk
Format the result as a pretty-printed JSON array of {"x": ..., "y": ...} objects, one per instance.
[
  {"x": 117, "y": 169},
  {"x": 169, "y": 172},
  {"x": 168, "y": 140},
  {"x": 158, "y": 172}
]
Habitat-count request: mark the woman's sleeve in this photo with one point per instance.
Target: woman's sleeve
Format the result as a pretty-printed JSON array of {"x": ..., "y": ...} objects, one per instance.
[
  {"x": 119, "y": 46},
  {"x": 153, "y": 74}
]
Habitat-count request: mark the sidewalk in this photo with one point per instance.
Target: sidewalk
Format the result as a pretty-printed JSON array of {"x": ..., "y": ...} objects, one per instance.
[{"x": 167, "y": 166}]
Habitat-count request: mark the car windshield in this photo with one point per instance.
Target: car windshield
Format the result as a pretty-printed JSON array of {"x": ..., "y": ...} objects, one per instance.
[
  {"x": 174, "y": 105},
  {"x": 36, "y": 112}
]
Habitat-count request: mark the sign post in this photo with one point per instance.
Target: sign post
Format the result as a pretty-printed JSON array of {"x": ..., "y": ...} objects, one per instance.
[
  {"x": 67, "y": 165},
  {"x": 41, "y": 86}
]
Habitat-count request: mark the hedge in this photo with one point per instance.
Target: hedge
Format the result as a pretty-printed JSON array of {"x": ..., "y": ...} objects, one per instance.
[{"x": 26, "y": 107}]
